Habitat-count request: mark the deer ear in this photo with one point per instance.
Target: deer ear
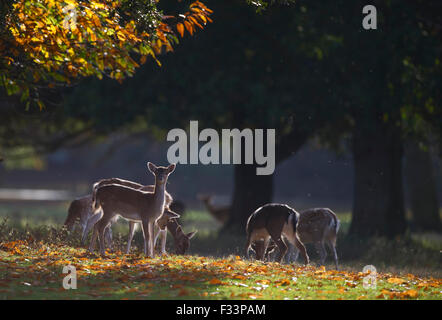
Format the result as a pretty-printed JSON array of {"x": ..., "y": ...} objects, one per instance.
[
  {"x": 171, "y": 215},
  {"x": 179, "y": 230},
  {"x": 191, "y": 234},
  {"x": 152, "y": 168},
  {"x": 171, "y": 168}
]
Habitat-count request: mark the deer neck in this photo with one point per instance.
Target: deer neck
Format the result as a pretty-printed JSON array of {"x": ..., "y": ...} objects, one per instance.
[
  {"x": 159, "y": 194},
  {"x": 172, "y": 225}
]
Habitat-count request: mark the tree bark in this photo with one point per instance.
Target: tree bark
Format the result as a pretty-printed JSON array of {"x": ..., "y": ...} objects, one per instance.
[
  {"x": 421, "y": 188},
  {"x": 249, "y": 193},
  {"x": 378, "y": 204}
]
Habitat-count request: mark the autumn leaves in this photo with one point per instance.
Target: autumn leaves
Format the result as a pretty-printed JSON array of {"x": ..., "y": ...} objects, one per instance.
[
  {"x": 192, "y": 277},
  {"x": 50, "y": 43},
  {"x": 197, "y": 16}
]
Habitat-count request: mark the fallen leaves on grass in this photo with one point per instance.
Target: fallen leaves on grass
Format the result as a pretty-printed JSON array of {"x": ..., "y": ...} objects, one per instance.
[{"x": 36, "y": 270}]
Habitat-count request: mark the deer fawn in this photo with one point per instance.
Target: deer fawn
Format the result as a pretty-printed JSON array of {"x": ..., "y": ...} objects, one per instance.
[
  {"x": 221, "y": 214},
  {"x": 277, "y": 222},
  {"x": 133, "y": 205}
]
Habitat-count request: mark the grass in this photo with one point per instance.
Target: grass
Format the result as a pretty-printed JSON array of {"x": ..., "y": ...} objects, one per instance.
[
  {"x": 34, "y": 271},
  {"x": 33, "y": 250}
]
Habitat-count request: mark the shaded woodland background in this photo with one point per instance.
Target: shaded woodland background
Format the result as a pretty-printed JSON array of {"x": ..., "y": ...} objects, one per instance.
[{"x": 357, "y": 114}]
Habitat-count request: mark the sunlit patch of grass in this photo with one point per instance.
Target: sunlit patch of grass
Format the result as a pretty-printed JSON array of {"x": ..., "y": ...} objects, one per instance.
[{"x": 35, "y": 272}]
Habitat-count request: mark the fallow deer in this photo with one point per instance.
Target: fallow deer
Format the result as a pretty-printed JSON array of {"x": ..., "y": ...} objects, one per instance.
[
  {"x": 93, "y": 218},
  {"x": 277, "y": 222},
  {"x": 319, "y": 226},
  {"x": 133, "y": 205},
  {"x": 221, "y": 213}
]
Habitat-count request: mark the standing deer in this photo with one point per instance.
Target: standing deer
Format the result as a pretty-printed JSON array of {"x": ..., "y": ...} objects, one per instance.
[
  {"x": 93, "y": 218},
  {"x": 221, "y": 214},
  {"x": 277, "y": 222},
  {"x": 319, "y": 226},
  {"x": 133, "y": 205},
  {"x": 81, "y": 208}
]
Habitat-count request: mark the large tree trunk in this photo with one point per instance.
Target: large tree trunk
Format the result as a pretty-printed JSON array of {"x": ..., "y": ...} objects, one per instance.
[
  {"x": 378, "y": 207},
  {"x": 250, "y": 191},
  {"x": 421, "y": 188}
]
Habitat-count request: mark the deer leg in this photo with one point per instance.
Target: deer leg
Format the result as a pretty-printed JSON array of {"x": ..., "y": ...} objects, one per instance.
[
  {"x": 300, "y": 246},
  {"x": 290, "y": 252},
  {"x": 132, "y": 226},
  {"x": 332, "y": 247},
  {"x": 295, "y": 254},
  {"x": 108, "y": 237},
  {"x": 148, "y": 238},
  {"x": 321, "y": 251},
  {"x": 90, "y": 224},
  {"x": 163, "y": 238},
  {"x": 282, "y": 249},
  {"x": 248, "y": 244},
  {"x": 145, "y": 236},
  {"x": 93, "y": 239},
  {"x": 101, "y": 226},
  {"x": 150, "y": 227}
]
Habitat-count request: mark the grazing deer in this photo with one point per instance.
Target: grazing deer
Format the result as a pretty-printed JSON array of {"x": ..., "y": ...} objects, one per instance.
[
  {"x": 319, "y": 226},
  {"x": 182, "y": 240},
  {"x": 277, "y": 222},
  {"x": 133, "y": 205},
  {"x": 81, "y": 209},
  {"x": 221, "y": 214}
]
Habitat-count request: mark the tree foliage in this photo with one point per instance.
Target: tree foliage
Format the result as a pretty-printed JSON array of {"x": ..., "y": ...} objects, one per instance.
[{"x": 49, "y": 43}]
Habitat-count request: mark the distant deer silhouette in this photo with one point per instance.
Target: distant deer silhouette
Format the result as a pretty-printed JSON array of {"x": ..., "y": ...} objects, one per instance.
[{"x": 219, "y": 213}]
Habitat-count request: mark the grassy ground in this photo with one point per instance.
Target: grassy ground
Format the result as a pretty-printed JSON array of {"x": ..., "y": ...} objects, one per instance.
[
  {"x": 33, "y": 250},
  {"x": 35, "y": 272}
]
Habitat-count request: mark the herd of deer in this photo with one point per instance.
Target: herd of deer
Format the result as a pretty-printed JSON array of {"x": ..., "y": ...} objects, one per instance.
[{"x": 269, "y": 227}]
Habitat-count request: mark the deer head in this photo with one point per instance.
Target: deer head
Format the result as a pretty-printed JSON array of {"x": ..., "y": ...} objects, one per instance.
[
  {"x": 161, "y": 173},
  {"x": 182, "y": 240}
]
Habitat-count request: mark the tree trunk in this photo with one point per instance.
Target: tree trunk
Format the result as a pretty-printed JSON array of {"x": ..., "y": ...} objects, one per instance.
[
  {"x": 378, "y": 207},
  {"x": 421, "y": 188},
  {"x": 249, "y": 193}
]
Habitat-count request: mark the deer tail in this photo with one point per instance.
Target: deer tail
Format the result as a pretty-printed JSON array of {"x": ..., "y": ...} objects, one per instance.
[{"x": 334, "y": 223}]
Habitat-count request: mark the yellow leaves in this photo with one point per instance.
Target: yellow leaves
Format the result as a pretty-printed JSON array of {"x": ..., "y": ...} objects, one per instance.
[
  {"x": 410, "y": 293},
  {"x": 396, "y": 280},
  {"x": 216, "y": 281},
  {"x": 283, "y": 282},
  {"x": 399, "y": 294},
  {"x": 121, "y": 36},
  {"x": 180, "y": 29},
  {"x": 45, "y": 29}
]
